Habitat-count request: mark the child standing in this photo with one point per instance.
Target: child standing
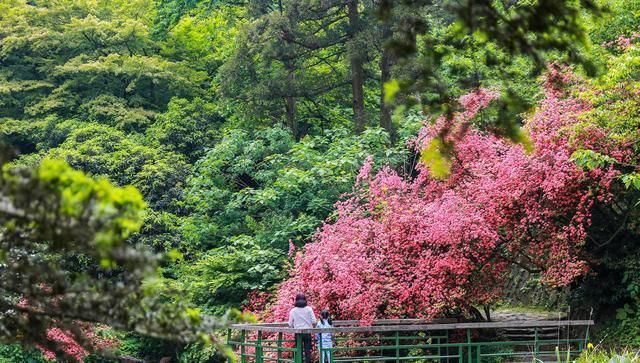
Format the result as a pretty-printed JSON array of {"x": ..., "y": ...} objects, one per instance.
[{"x": 325, "y": 341}]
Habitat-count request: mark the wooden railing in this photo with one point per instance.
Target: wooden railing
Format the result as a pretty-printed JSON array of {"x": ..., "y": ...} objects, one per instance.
[{"x": 416, "y": 340}]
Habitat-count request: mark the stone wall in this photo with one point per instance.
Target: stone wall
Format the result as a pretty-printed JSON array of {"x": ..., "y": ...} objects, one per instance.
[{"x": 524, "y": 288}]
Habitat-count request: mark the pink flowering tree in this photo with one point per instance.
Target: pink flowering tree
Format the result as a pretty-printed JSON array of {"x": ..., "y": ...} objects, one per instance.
[{"x": 424, "y": 246}]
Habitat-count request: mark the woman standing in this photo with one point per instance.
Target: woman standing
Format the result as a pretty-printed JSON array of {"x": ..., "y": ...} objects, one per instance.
[{"x": 302, "y": 317}]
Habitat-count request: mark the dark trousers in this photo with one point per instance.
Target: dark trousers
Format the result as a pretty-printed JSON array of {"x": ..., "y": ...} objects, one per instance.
[{"x": 306, "y": 347}]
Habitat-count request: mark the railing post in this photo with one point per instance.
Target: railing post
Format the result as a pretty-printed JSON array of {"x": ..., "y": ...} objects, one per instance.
[
  {"x": 397, "y": 346},
  {"x": 446, "y": 349},
  {"x": 259, "y": 347},
  {"x": 229, "y": 339},
  {"x": 320, "y": 350},
  {"x": 298, "y": 352},
  {"x": 279, "y": 348},
  {"x": 535, "y": 343},
  {"x": 469, "y": 348},
  {"x": 243, "y": 358}
]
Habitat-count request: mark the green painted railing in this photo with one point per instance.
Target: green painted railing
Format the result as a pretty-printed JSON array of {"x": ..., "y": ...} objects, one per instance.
[{"x": 416, "y": 341}]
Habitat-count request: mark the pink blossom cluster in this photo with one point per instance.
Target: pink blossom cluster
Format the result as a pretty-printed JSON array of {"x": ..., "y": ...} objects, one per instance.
[
  {"x": 66, "y": 341},
  {"x": 292, "y": 249},
  {"x": 419, "y": 247},
  {"x": 452, "y": 128},
  {"x": 623, "y": 42}
]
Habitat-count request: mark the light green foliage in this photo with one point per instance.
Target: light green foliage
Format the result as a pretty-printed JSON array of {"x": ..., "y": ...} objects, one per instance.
[
  {"x": 615, "y": 107},
  {"x": 78, "y": 51},
  {"x": 100, "y": 150},
  {"x": 602, "y": 355},
  {"x": 146, "y": 81},
  {"x": 206, "y": 38},
  {"x": 434, "y": 156},
  {"x": 590, "y": 159},
  {"x": 113, "y": 111}
]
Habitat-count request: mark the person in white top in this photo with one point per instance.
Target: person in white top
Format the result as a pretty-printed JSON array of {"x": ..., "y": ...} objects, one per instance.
[{"x": 302, "y": 317}]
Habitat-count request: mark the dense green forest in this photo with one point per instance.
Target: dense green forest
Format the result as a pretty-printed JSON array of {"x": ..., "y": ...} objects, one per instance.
[{"x": 174, "y": 156}]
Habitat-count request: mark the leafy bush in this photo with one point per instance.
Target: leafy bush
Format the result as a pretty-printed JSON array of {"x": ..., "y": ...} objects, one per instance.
[{"x": 12, "y": 353}]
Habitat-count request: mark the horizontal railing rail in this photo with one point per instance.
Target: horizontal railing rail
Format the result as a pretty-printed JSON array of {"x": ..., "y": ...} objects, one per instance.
[
  {"x": 358, "y": 322},
  {"x": 283, "y": 328}
]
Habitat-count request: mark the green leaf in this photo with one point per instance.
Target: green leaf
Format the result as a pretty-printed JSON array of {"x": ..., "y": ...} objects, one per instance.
[
  {"x": 439, "y": 165},
  {"x": 391, "y": 89}
]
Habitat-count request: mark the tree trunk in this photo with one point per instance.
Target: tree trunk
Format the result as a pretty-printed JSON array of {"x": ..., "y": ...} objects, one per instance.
[
  {"x": 386, "y": 61},
  {"x": 475, "y": 313},
  {"x": 357, "y": 71},
  {"x": 290, "y": 102},
  {"x": 292, "y": 122},
  {"x": 487, "y": 312}
]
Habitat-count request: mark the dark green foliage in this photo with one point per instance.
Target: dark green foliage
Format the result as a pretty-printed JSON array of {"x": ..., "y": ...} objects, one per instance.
[
  {"x": 253, "y": 193},
  {"x": 100, "y": 150},
  {"x": 15, "y": 353},
  {"x": 266, "y": 185},
  {"x": 187, "y": 127}
]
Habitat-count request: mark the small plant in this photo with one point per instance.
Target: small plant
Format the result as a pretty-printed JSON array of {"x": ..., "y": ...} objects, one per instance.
[{"x": 601, "y": 355}]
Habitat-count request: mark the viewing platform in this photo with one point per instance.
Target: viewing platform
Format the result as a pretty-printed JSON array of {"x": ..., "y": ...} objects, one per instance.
[{"x": 414, "y": 340}]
